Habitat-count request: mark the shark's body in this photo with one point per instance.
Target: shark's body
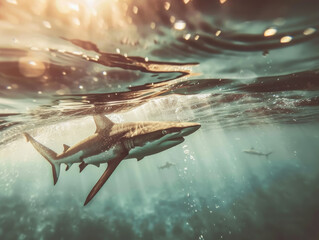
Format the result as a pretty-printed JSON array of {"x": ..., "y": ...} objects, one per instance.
[
  {"x": 111, "y": 143},
  {"x": 254, "y": 152},
  {"x": 166, "y": 165}
]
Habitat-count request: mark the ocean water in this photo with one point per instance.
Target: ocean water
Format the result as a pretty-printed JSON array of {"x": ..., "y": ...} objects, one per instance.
[{"x": 247, "y": 71}]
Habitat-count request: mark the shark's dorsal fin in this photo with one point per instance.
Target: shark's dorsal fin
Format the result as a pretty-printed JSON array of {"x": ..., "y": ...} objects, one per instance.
[
  {"x": 102, "y": 123},
  {"x": 65, "y": 147}
]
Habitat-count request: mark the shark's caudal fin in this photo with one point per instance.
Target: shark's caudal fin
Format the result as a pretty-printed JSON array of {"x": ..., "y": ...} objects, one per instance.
[
  {"x": 102, "y": 123},
  {"x": 267, "y": 154},
  {"x": 48, "y": 154}
]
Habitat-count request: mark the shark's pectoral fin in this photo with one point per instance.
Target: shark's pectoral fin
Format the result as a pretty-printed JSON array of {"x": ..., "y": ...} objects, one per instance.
[
  {"x": 102, "y": 123},
  {"x": 105, "y": 176},
  {"x": 65, "y": 147}
]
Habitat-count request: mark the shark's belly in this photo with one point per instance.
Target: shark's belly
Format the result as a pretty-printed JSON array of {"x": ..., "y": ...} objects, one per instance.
[
  {"x": 145, "y": 150},
  {"x": 74, "y": 158},
  {"x": 104, "y": 157}
]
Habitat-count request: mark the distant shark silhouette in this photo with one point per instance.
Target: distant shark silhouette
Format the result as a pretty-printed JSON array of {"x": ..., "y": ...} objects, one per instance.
[
  {"x": 254, "y": 152},
  {"x": 166, "y": 165},
  {"x": 112, "y": 142}
]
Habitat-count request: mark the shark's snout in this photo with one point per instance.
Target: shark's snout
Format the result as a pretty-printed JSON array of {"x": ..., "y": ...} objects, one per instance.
[{"x": 190, "y": 129}]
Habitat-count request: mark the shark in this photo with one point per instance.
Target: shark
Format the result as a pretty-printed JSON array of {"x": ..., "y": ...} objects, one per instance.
[
  {"x": 166, "y": 165},
  {"x": 254, "y": 152},
  {"x": 112, "y": 143}
]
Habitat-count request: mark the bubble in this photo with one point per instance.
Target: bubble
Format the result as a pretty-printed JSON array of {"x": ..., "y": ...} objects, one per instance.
[
  {"x": 172, "y": 19},
  {"x": 153, "y": 25},
  {"x": 179, "y": 25},
  {"x": 309, "y": 31},
  {"x": 187, "y": 36},
  {"x": 135, "y": 10},
  {"x": 47, "y": 24},
  {"x": 286, "y": 39},
  {"x": 31, "y": 67},
  {"x": 270, "y": 32},
  {"x": 167, "y": 5}
]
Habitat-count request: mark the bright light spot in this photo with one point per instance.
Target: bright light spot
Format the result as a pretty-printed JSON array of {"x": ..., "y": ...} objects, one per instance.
[
  {"x": 286, "y": 39},
  {"x": 172, "y": 19},
  {"x": 33, "y": 63},
  {"x": 104, "y": 73},
  {"x": 135, "y": 10},
  {"x": 66, "y": 6},
  {"x": 76, "y": 21},
  {"x": 9, "y": 87},
  {"x": 167, "y": 5},
  {"x": 196, "y": 37},
  {"x": 270, "y": 32},
  {"x": 179, "y": 25},
  {"x": 309, "y": 31},
  {"x": 218, "y": 33},
  {"x": 186, "y": 1},
  {"x": 153, "y": 25},
  {"x": 81, "y": 87},
  {"x": 146, "y": 59},
  {"x": 222, "y": 1},
  {"x": 12, "y": 2},
  {"x": 39, "y": 92},
  {"x": 73, "y": 6},
  {"x": 31, "y": 67},
  {"x": 118, "y": 51},
  {"x": 187, "y": 36},
  {"x": 47, "y": 24}
]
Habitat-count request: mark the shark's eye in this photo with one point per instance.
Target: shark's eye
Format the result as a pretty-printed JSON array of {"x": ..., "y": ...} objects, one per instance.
[{"x": 164, "y": 132}]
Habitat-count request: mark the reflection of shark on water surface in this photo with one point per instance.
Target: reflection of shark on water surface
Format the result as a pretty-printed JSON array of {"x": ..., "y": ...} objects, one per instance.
[
  {"x": 167, "y": 165},
  {"x": 112, "y": 142},
  {"x": 254, "y": 152}
]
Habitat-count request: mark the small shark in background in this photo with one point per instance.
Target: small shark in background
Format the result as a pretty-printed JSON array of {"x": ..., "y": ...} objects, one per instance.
[
  {"x": 167, "y": 165},
  {"x": 113, "y": 142},
  {"x": 254, "y": 152}
]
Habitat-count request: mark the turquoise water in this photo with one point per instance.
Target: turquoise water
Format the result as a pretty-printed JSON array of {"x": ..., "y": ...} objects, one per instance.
[{"x": 247, "y": 72}]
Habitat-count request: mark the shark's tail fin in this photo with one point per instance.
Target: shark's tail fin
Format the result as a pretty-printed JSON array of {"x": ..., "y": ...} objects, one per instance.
[
  {"x": 267, "y": 154},
  {"x": 48, "y": 154}
]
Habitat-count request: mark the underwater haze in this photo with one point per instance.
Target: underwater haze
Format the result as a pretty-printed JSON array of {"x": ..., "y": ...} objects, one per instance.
[{"x": 247, "y": 71}]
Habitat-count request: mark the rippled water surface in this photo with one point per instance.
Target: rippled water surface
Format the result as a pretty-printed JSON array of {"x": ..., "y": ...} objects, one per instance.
[{"x": 247, "y": 71}]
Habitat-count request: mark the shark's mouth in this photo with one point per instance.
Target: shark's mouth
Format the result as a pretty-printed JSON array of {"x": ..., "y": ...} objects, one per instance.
[{"x": 175, "y": 139}]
